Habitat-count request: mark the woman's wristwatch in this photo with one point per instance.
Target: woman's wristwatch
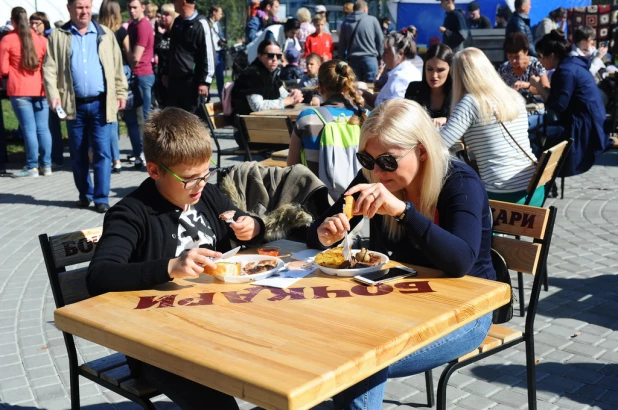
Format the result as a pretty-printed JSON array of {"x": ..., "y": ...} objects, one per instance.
[{"x": 401, "y": 217}]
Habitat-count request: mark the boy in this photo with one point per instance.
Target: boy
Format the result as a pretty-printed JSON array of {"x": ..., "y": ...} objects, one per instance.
[
  {"x": 168, "y": 228},
  {"x": 291, "y": 73},
  {"x": 313, "y": 66},
  {"x": 320, "y": 42}
]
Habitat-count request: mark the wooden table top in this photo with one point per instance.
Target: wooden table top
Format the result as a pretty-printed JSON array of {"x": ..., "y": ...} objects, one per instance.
[
  {"x": 281, "y": 348},
  {"x": 277, "y": 159},
  {"x": 291, "y": 112}
]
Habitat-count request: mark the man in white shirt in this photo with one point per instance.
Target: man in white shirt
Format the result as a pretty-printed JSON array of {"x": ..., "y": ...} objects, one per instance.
[{"x": 218, "y": 38}]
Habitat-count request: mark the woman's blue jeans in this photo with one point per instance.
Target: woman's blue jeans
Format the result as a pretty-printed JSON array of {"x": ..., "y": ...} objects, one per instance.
[
  {"x": 368, "y": 394},
  {"x": 33, "y": 116},
  {"x": 130, "y": 118}
]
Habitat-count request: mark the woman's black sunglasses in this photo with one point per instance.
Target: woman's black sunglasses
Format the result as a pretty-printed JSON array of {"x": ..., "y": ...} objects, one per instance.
[
  {"x": 273, "y": 55},
  {"x": 387, "y": 162}
]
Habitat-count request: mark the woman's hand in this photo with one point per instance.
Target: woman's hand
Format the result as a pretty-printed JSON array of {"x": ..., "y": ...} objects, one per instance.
[
  {"x": 333, "y": 229},
  {"x": 245, "y": 228},
  {"x": 191, "y": 263},
  {"x": 535, "y": 81},
  {"x": 376, "y": 199},
  {"x": 439, "y": 122},
  {"x": 521, "y": 85}
]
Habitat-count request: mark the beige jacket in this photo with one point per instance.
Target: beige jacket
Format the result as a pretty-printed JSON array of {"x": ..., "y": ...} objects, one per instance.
[{"x": 57, "y": 70}]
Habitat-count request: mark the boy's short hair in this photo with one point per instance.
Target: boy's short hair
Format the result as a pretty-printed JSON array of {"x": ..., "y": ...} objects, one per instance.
[
  {"x": 174, "y": 136},
  {"x": 314, "y": 56},
  {"x": 318, "y": 18}
]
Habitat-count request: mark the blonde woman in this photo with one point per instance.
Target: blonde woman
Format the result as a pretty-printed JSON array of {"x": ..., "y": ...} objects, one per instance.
[
  {"x": 426, "y": 210},
  {"x": 491, "y": 120},
  {"x": 306, "y": 28}
]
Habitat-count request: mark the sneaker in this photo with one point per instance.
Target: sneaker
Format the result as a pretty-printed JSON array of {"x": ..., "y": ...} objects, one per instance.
[
  {"x": 117, "y": 169},
  {"x": 139, "y": 162},
  {"x": 32, "y": 173},
  {"x": 47, "y": 171}
]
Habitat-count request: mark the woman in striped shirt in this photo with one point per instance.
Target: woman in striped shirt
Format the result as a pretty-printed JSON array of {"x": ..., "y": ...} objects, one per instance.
[{"x": 490, "y": 119}]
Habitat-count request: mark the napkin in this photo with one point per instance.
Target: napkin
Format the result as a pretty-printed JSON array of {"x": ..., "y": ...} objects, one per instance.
[
  {"x": 305, "y": 255},
  {"x": 285, "y": 277}
]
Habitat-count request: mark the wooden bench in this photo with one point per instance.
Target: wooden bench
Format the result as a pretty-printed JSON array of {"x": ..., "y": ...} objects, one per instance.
[
  {"x": 277, "y": 159},
  {"x": 273, "y": 130},
  {"x": 111, "y": 372},
  {"x": 523, "y": 256}
]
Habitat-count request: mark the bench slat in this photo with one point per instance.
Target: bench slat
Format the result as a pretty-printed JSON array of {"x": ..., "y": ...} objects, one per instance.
[
  {"x": 506, "y": 334},
  {"x": 469, "y": 355},
  {"x": 117, "y": 375},
  {"x": 489, "y": 343},
  {"x": 137, "y": 387},
  {"x": 96, "y": 367}
]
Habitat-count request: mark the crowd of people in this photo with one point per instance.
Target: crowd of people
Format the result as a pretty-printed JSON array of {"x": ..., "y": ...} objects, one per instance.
[{"x": 425, "y": 206}]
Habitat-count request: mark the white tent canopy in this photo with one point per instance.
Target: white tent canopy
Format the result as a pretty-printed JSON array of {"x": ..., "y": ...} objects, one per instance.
[{"x": 55, "y": 9}]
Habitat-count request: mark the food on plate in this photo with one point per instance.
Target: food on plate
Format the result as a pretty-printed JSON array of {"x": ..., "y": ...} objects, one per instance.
[
  {"x": 348, "y": 207},
  {"x": 269, "y": 251},
  {"x": 333, "y": 258},
  {"x": 252, "y": 268},
  {"x": 227, "y": 215},
  {"x": 225, "y": 269}
]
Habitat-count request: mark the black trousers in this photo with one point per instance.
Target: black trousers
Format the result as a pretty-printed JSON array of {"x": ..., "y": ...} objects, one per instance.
[
  {"x": 187, "y": 394},
  {"x": 182, "y": 93}
]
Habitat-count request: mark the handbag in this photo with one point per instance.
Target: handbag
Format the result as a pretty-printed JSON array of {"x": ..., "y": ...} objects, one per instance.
[{"x": 134, "y": 95}]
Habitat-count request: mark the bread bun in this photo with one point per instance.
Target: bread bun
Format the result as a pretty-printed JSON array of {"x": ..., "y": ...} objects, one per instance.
[
  {"x": 224, "y": 269},
  {"x": 348, "y": 207}
]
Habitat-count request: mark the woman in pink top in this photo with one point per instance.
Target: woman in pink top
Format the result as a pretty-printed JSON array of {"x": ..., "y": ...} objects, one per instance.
[{"x": 21, "y": 59}]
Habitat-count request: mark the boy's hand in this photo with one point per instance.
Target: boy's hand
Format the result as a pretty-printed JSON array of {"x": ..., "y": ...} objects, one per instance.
[
  {"x": 245, "y": 228},
  {"x": 191, "y": 263}
]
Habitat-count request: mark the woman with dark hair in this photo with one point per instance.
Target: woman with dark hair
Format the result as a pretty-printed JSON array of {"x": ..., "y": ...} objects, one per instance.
[
  {"x": 519, "y": 66},
  {"x": 575, "y": 99},
  {"x": 21, "y": 59},
  {"x": 40, "y": 23},
  {"x": 398, "y": 55},
  {"x": 433, "y": 92},
  {"x": 259, "y": 88},
  {"x": 554, "y": 21}
]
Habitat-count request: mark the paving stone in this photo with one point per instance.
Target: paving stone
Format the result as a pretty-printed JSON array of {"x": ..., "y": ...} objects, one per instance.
[
  {"x": 590, "y": 391},
  {"x": 481, "y": 388},
  {"x": 585, "y": 350},
  {"x": 474, "y": 402},
  {"x": 575, "y": 403},
  {"x": 610, "y": 397},
  {"x": 510, "y": 398},
  {"x": 16, "y": 396}
]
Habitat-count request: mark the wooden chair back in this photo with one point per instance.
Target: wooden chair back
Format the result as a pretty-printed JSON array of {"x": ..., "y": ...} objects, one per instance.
[
  {"x": 548, "y": 167},
  {"x": 65, "y": 250},
  {"x": 215, "y": 117},
  {"x": 266, "y": 129}
]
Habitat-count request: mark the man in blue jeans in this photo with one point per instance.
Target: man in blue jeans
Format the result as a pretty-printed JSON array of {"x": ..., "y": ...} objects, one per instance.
[
  {"x": 141, "y": 37},
  {"x": 83, "y": 75},
  {"x": 360, "y": 42}
]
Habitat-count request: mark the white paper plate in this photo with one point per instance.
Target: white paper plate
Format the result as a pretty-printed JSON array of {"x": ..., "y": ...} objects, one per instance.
[
  {"x": 353, "y": 272},
  {"x": 244, "y": 259}
]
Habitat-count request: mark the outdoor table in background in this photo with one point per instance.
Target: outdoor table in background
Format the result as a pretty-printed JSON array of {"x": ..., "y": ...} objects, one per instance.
[
  {"x": 281, "y": 348},
  {"x": 277, "y": 159},
  {"x": 291, "y": 112}
]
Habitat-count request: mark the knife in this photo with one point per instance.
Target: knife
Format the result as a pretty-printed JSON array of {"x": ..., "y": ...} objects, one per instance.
[{"x": 231, "y": 253}]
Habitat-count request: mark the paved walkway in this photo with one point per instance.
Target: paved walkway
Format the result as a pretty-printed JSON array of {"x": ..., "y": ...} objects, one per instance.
[{"x": 576, "y": 341}]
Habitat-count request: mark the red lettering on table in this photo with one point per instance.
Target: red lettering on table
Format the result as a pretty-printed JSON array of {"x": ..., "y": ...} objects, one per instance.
[
  {"x": 146, "y": 302},
  {"x": 414, "y": 287},
  {"x": 362, "y": 290},
  {"x": 292, "y": 293},
  {"x": 320, "y": 292},
  {"x": 85, "y": 245},
  {"x": 528, "y": 221},
  {"x": 236, "y": 297},
  {"x": 69, "y": 248},
  {"x": 202, "y": 299}
]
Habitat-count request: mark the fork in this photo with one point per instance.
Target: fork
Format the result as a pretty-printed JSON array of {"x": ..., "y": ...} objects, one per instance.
[{"x": 346, "y": 247}]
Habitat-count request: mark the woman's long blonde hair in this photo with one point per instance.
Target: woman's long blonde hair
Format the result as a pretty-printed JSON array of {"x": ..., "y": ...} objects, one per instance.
[
  {"x": 404, "y": 124},
  {"x": 473, "y": 74}
]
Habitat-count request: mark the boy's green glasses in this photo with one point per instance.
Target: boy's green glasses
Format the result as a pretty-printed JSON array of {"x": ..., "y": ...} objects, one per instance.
[{"x": 192, "y": 183}]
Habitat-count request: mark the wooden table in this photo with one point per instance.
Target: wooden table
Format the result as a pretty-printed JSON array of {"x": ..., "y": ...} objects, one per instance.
[
  {"x": 281, "y": 348},
  {"x": 292, "y": 112}
]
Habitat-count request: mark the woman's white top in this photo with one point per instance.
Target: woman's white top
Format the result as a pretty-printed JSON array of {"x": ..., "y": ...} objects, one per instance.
[
  {"x": 596, "y": 63},
  {"x": 503, "y": 167},
  {"x": 398, "y": 80}
]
